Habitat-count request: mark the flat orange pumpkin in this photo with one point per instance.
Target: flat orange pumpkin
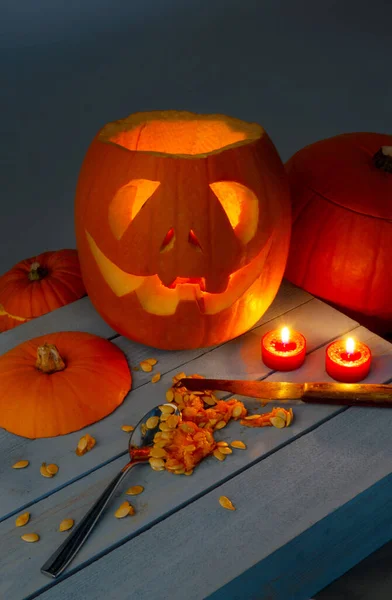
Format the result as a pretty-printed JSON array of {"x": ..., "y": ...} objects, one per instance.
[
  {"x": 60, "y": 382},
  {"x": 182, "y": 226},
  {"x": 38, "y": 285}
]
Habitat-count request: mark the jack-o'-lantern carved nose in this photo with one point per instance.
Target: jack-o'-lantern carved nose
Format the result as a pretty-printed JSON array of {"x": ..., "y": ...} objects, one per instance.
[{"x": 170, "y": 239}]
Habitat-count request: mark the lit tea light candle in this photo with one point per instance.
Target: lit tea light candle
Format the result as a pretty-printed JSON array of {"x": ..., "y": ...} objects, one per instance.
[
  {"x": 348, "y": 360},
  {"x": 283, "y": 349}
]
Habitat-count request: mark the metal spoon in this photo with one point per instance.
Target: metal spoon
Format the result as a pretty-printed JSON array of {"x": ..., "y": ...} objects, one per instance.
[{"x": 140, "y": 442}]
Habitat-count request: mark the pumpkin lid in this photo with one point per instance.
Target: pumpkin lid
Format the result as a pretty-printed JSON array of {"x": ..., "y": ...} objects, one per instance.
[
  {"x": 60, "y": 382},
  {"x": 342, "y": 169},
  {"x": 179, "y": 133}
]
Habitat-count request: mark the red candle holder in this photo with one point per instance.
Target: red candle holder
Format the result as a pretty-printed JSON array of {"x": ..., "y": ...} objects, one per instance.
[
  {"x": 283, "y": 350},
  {"x": 348, "y": 361}
]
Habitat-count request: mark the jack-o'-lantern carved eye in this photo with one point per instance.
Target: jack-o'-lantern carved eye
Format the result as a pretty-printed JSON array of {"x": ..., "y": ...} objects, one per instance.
[
  {"x": 241, "y": 207},
  {"x": 128, "y": 201}
]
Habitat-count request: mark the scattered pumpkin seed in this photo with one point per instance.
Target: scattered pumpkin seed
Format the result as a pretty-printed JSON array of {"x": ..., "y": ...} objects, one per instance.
[
  {"x": 44, "y": 471},
  {"x": 127, "y": 428},
  {"x": 238, "y": 444},
  {"x": 151, "y": 361},
  {"x": 179, "y": 471},
  {"x": 172, "y": 421},
  {"x": 166, "y": 409},
  {"x": 52, "y": 469},
  {"x": 237, "y": 411},
  {"x": 278, "y": 422},
  {"x": 290, "y": 416},
  {"x": 220, "y": 425},
  {"x": 155, "y": 377},
  {"x": 135, "y": 490},
  {"x": 22, "y": 519},
  {"x": 251, "y": 417},
  {"x": 66, "y": 524},
  {"x": 145, "y": 366},
  {"x": 170, "y": 395},
  {"x": 152, "y": 422},
  {"x": 226, "y": 503},
  {"x": 188, "y": 472},
  {"x": 225, "y": 450},
  {"x": 218, "y": 454},
  {"x": 156, "y": 462},
  {"x": 157, "y": 452},
  {"x": 123, "y": 510},
  {"x": 222, "y": 444},
  {"x": 210, "y": 400},
  {"x": 281, "y": 413},
  {"x": 30, "y": 537},
  {"x": 21, "y": 464}
]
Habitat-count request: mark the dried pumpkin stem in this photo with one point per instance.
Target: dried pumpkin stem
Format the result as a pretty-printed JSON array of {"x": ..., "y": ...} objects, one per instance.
[
  {"x": 49, "y": 359},
  {"x": 37, "y": 272},
  {"x": 383, "y": 159}
]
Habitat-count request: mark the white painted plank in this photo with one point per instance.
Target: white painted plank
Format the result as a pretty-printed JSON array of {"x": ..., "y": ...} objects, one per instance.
[
  {"x": 164, "y": 492},
  {"x": 18, "y": 491},
  {"x": 77, "y": 316},
  {"x": 303, "y": 515}
]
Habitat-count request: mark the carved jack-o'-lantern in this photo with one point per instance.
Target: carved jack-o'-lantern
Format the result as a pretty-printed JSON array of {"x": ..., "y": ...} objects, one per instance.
[{"x": 182, "y": 225}]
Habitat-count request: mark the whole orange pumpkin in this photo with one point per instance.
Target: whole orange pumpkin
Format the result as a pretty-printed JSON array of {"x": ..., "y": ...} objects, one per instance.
[
  {"x": 38, "y": 285},
  {"x": 341, "y": 244},
  {"x": 60, "y": 382},
  {"x": 182, "y": 226}
]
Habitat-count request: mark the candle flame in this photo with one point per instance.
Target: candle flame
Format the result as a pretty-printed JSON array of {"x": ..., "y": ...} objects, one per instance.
[
  {"x": 285, "y": 335},
  {"x": 350, "y": 345}
]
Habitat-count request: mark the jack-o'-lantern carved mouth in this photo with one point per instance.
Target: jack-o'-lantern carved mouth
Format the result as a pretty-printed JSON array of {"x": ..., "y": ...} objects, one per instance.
[{"x": 159, "y": 299}]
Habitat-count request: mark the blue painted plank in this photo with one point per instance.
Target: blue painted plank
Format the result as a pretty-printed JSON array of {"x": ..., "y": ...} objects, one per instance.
[
  {"x": 305, "y": 514},
  {"x": 163, "y": 492}
]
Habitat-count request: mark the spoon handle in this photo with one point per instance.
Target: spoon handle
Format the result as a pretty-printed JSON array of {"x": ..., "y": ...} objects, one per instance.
[{"x": 61, "y": 558}]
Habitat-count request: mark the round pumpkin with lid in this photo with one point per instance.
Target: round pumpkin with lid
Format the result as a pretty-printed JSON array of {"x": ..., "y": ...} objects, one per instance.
[
  {"x": 341, "y": 244},
  {"x": 182, "y": 226}
]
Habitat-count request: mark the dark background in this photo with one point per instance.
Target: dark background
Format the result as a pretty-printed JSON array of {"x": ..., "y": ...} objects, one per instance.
[{"x": 304, "y": 69}]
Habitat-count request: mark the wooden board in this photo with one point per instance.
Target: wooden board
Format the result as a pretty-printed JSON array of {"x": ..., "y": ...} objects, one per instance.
[{"x": 164, "y": 493}]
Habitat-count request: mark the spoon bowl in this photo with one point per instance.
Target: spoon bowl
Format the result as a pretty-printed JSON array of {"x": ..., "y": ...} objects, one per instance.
[{"x": 140, "y": 442}]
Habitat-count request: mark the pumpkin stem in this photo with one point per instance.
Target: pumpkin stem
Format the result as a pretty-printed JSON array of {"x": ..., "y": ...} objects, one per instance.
[
  {"x": 49, "y": 359},
  {"x": 383, "y": 159},
  {"x": 37, "y": 272}
]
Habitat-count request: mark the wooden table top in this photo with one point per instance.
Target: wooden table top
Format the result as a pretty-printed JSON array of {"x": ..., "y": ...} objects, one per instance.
[{"x": 312, "y": 499}]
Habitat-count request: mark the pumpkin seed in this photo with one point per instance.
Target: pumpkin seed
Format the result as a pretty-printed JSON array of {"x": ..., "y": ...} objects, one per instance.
[
  {"x": 30, "y": 537},
  {"x": 180, "y": 376},
  {"x": 21, "y": 464},
  {"x": 135, "y": 490},
  {"x": 157, "y": 452},
  {"x": 173, "y": 466},
  {"x": 145, "y": 366},
  {"x": 220, "y": 425},
  {"x": 163, "y": 426},
  {"x": 123, "y": 510},
  {"x": 131, "y": 510},
  {"x": 164, "y": 417},
  {"x": 278, "y": 422},
  {"x": 66, "y": 524},
  {"x": 172, "y": 421},
  {"x": 155, "y": 378},
  {"x": 22, "y": 519},
  {"x": 190, "y": 448},
  {"x": 179, "y": 471},
  {"x": 44, "y": 471},
  {"x": 238, "y": 444},
  {"x": 151, "y": 361},
  {"x": 158, "y": 468},
  {"x": 251, "y": 417},
  {"x": 188, "y": 472},
  {"x": 290, "y": 416},
  {"x": 152, "y": 422},
  {"x": 52, "y": 469},
  {"x": 127, "y": 428},
  {"x": 166, "y": 409},
  {"x": 225, "y": 450},
  {"x": 209, "y": 400},
  {"x": 90, "y": 442},
  {"x": 82, "y": 444},
  {"x": 187, "y": 428},
  {"x": 177, "y": 398},
  {"x": 237, "y": 411},
  {"x": 226, "y": 503},
  {"x": 281, "y": 413},
  {"x": 218, "y": 454},
  {"x": 222, "y": 444},
  {"x": 156, "y": 462},
  {"x": 170, "y": 395}
]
